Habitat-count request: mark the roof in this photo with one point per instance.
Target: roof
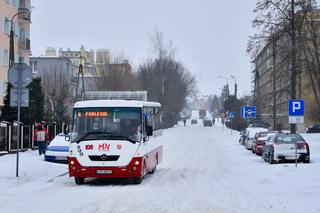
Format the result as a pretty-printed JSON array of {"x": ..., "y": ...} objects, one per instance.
[{"x": 115, "y": 103}]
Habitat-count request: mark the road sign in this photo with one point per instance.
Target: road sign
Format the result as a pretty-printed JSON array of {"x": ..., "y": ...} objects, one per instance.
[
  {"x": 24, "y": 97},
  {"x": 20, "y": 74},
  {"x": 296, "y": 119},
  {"x": 232, "y": 115},
  {"x": 249, "y": 111},
  {"x": 296, "y": 108}
]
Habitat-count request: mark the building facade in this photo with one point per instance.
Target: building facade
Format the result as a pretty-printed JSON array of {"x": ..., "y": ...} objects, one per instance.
[
  {"x": 272, "y": 75},
  {"x": 20, "y": 10}
]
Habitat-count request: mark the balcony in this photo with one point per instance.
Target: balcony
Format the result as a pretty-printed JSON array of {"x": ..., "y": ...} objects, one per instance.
[
  {"x": 24, "y": 44},
  {"x": 24, "y": 15}
]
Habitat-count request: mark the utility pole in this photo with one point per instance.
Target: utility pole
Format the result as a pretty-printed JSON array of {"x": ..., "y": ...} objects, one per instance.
[
  {"x": 293, "y": 59},
  {"x": 274, "y": 78}
]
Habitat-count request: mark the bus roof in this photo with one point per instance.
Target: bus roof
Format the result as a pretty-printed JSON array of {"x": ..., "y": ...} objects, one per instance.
[{"x": 115, "y": 103}]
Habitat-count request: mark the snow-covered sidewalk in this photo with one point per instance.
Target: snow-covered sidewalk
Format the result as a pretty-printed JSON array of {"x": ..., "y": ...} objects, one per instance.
[{"x": 204, "y": 169}]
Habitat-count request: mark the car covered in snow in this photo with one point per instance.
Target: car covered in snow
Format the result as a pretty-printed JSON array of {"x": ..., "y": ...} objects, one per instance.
[
  {"x": 58, "y": 149},
  {"x": 260, "y": 140},
  {"x": 282, "y": 147},
  {"x": 249, "y": 137}
]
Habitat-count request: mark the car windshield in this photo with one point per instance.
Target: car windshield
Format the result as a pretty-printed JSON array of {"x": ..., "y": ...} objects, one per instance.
[
  {"x": 284, "y": 138},
  {"x": 109, "y": 123}
]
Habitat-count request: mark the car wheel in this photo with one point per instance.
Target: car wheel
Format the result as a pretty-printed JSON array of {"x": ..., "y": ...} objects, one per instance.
[
  {"x": 252, "y": 150},
  {"x": 271, "y": 161},
  {"x": 79, "y": 180},
  {"x": 306, "y": 161}
]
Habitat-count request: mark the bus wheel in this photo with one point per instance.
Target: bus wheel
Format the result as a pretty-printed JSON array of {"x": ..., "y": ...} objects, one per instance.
[
  {"x": 153, "y": 170},
  {"x": 137, "y": 180},
  {"x": 79, "y": 180}
]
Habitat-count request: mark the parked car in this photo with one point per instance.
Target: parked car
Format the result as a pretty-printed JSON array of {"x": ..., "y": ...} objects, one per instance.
[
  {"x": 250, "y": 136},
  {"x": 242, "y": 137},
  {"x": 194, "y": 121},
  {"x": 281, "y": 147},
  {"x": 207, "y": 122},
  {"x": 313, "y": 129},
  {"x": 259, "y": 141},
  {"x": 58, "y": 149}
]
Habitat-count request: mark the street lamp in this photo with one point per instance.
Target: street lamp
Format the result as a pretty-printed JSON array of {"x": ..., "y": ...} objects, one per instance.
[
  {"x": 11, "y": 55},
  {"x": 11, "y": 63}
]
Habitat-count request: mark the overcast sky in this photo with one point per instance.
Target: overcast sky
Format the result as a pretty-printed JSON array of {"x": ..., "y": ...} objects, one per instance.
[{"x": 210, "y": 35}]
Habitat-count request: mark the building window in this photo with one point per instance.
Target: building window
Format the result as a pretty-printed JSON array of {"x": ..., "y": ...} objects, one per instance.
[
  {"x": 5, "y": 57},
  {"x": 34, "y": 67},
  {"x": 14, "y": 2},
  {"x": 8, "y": 1},
  {"x": 6, "y": 25}
]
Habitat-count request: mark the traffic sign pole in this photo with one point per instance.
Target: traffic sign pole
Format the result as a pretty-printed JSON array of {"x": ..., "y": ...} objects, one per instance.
[{"x": 19, "y": 76}]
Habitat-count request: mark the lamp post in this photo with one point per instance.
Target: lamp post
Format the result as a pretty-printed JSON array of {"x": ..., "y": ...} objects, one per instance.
[{"x": 11, "y": 63}]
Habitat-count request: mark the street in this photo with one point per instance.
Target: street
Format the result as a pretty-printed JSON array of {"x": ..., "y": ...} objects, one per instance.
[{"x": 204, "y": 169}]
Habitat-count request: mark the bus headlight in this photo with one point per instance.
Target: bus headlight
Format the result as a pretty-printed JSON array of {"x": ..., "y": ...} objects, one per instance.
[
  {"x": 136, "y": 163},
  {"x": 72, "y": 162}
]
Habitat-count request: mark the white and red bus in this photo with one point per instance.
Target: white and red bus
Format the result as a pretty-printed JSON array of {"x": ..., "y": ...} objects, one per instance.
[{"x": 114, "y": 139}]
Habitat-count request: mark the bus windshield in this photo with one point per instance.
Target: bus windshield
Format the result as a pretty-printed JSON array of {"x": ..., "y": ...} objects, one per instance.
[{"x": 108, "y": 123}]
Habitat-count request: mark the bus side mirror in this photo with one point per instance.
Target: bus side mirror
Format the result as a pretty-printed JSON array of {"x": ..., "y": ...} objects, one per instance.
[
  {"x": 65, "y": 129},
  {"x": 149, "y": 130},
  {"x": 67, "y": 138}
]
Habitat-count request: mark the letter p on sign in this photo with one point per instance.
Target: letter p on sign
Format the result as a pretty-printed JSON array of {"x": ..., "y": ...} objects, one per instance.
[{"x": 296, "y": 108}]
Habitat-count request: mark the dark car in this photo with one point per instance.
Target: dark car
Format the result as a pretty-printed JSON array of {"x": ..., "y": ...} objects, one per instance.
[
  {"x": 281, "y": 147},
  {"x": 207, "y": 123},
  {"x": 313, "y": 129},
  {"x": 194, "y": 121}
]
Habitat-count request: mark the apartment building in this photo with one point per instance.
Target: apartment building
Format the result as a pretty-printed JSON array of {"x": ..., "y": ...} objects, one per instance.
[
  {"x": 19, "y": 10},
  {"x": 271, "y": 76}
]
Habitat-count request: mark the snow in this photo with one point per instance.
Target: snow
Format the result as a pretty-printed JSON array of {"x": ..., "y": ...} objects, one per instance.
[{"x": 204, "y": 169}]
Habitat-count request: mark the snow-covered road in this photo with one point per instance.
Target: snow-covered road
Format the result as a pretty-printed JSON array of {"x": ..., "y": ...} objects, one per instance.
[{"x": 204, "y": 169}]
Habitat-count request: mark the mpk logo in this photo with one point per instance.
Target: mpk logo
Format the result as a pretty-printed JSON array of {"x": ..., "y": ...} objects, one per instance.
[{"x": 104, "y": 147}]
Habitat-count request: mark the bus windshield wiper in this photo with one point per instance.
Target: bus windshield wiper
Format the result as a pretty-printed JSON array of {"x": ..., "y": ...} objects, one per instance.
[{"x": 83, "y": 137}]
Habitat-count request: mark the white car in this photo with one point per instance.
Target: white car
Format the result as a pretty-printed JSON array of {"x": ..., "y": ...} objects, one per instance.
[
  {"x": 250, "y": 133},
  {"x": 58, "y": 149}
]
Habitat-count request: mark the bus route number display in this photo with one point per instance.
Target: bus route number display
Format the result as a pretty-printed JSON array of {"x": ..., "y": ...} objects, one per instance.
[{"x": 94, "y": 114}]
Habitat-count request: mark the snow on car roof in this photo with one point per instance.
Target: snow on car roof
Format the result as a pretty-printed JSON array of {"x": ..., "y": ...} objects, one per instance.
[
  {"x": 115, "y": 103},
  {"x": 253, "y": 131}
]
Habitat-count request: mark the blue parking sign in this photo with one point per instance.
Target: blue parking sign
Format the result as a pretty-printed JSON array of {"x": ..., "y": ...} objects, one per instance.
[{"x": 296, "y": 108}]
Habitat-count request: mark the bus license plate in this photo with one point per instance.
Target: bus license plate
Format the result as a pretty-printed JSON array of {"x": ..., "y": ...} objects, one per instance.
[{"x": 104, "y": 171}]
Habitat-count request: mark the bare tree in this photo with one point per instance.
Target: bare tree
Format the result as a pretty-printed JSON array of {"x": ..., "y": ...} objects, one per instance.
[
  {"x": 114, "y": 74},
  {"x": 166, "y": 80},
  {"x": 56, "y": 89}
]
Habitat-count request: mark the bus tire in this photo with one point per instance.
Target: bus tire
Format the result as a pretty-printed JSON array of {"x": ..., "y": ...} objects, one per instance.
[
  {"x": 153, "y": 170},
  {"x": 137, "y": 180},
  {"x": 79, "y": 180}
]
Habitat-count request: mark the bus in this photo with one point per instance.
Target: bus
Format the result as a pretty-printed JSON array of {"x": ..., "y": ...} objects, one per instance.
[{"x": 114, "y": 139}]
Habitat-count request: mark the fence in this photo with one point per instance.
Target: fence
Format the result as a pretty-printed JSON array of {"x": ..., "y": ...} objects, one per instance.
[{"x": 8, "y": 136}]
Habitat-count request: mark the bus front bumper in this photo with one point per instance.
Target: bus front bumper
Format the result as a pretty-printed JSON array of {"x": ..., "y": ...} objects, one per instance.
[{"x": 133, "y": 169}]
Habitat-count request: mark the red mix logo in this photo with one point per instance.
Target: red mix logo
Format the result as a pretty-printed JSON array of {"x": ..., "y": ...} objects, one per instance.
[{"x": 104, "y": 147}]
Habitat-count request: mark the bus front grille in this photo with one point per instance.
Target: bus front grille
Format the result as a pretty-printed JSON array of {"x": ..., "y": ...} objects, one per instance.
[{"x": 104, "y": 157}]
